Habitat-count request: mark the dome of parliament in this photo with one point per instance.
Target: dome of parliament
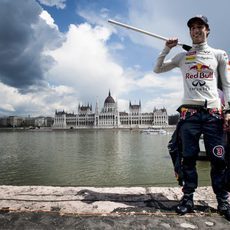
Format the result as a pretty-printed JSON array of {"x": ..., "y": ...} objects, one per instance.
[{"x": 109, "y": 99}]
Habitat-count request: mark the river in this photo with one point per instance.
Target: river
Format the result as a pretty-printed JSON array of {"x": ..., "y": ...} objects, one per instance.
[{"x": 88, "y": 158}]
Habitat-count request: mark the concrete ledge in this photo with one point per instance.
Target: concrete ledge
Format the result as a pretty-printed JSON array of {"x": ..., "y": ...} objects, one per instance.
[
  {"x": 46, "y": 207},
  {"x": 99, "y": 201}
]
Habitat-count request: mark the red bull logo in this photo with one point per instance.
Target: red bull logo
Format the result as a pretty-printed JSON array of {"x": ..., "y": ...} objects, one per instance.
[
  {"x": 199, "y": 71},
  {"x": 199, "y": 67}
]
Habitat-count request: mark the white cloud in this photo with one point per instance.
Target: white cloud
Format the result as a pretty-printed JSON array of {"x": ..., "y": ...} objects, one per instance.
[
  {"x": 36, "y": 103},
  {"x": 60, "y": 4},
  {"x": 49, "y": 20},
  {"x": 123, "y": 105},
  {"x": 7, "y": 107},
  {"x": 95, "y": 17},
  {"x": 163, "y": 90},
  {"x": 63, "y": 90},
  {"x": 84, "y": 63},
  {"x": 170, "y": 101}
]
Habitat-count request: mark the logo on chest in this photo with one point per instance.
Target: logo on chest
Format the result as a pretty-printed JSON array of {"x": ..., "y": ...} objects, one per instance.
[{"x": 199, "y": 70}]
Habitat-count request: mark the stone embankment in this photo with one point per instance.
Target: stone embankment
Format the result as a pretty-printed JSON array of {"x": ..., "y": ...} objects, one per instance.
[{"x": 46, "y": 207}]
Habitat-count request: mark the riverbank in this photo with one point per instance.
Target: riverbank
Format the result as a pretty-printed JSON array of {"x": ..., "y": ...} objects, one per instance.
[
  {"x": 167, "y": 128},
  {"x": 46, "y": 207}
]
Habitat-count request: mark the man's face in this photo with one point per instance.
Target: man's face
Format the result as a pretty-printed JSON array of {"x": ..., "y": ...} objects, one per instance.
[{"x": 198, "y": 32}]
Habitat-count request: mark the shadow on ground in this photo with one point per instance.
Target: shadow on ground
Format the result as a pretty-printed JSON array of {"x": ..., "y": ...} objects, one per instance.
[{"x": 150, "y": 202}]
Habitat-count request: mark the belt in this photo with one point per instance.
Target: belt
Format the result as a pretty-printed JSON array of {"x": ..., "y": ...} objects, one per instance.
[{"x": 186, "y": 111}]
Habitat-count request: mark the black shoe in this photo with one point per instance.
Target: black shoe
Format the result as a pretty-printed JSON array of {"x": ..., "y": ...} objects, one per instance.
[
  {"x": 186, "y": 204},
  {"x": 224, "y": 209}
]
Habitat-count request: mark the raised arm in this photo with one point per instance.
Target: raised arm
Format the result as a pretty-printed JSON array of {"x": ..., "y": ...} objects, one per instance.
[{"x": 162, "y": 65}]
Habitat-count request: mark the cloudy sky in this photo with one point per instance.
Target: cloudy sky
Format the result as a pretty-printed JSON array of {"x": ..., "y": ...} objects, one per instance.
[{"x": 55, "y": 54}]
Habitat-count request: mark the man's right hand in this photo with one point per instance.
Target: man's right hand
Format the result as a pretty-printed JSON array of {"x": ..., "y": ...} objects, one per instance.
[{"x": 171, "y": 42}]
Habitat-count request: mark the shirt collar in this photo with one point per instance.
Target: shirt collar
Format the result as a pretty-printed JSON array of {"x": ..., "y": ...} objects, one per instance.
[{"x": 200, "y": 46}]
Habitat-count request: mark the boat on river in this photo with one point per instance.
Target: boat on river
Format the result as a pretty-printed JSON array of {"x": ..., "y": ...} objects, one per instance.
[{"x": 154, "y": 130}]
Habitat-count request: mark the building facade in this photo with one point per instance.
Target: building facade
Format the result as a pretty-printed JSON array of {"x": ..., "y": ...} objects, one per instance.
[
  {"x": 110, "y": 117},
  {"x": 32, "y": 122}
]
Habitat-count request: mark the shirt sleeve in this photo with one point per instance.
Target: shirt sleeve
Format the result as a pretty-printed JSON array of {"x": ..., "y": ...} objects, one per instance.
[
  {"x": 164, "y": 66},
  {"x": 224, "y": 72}
]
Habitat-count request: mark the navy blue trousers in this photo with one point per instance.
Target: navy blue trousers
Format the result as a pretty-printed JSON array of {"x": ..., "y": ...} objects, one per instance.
[{"x": 211, "y": 126}]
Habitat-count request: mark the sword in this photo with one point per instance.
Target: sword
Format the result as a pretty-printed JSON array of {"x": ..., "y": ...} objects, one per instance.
[{"x": 184, "y": 46}]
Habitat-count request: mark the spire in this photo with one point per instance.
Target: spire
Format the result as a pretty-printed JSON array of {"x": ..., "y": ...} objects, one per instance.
[
  {"x": 96, "y": 107},
  {"x": 109, "y": 94},
  {"x": 116, "y": 103}
]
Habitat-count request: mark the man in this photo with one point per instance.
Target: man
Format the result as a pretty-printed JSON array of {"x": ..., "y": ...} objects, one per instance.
[{"x": 201, "y": 110}]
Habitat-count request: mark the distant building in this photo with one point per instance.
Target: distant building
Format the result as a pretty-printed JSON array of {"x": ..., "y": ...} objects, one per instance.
[
  {"x": 109, "y": 117},
  {"x": 43, "y": 121},
  {"x": 15, "y": 121},
  {"x": 3, "y": 121}
]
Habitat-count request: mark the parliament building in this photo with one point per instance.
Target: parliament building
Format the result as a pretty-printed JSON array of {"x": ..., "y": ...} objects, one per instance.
[{"x": 110, "y": 117}]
